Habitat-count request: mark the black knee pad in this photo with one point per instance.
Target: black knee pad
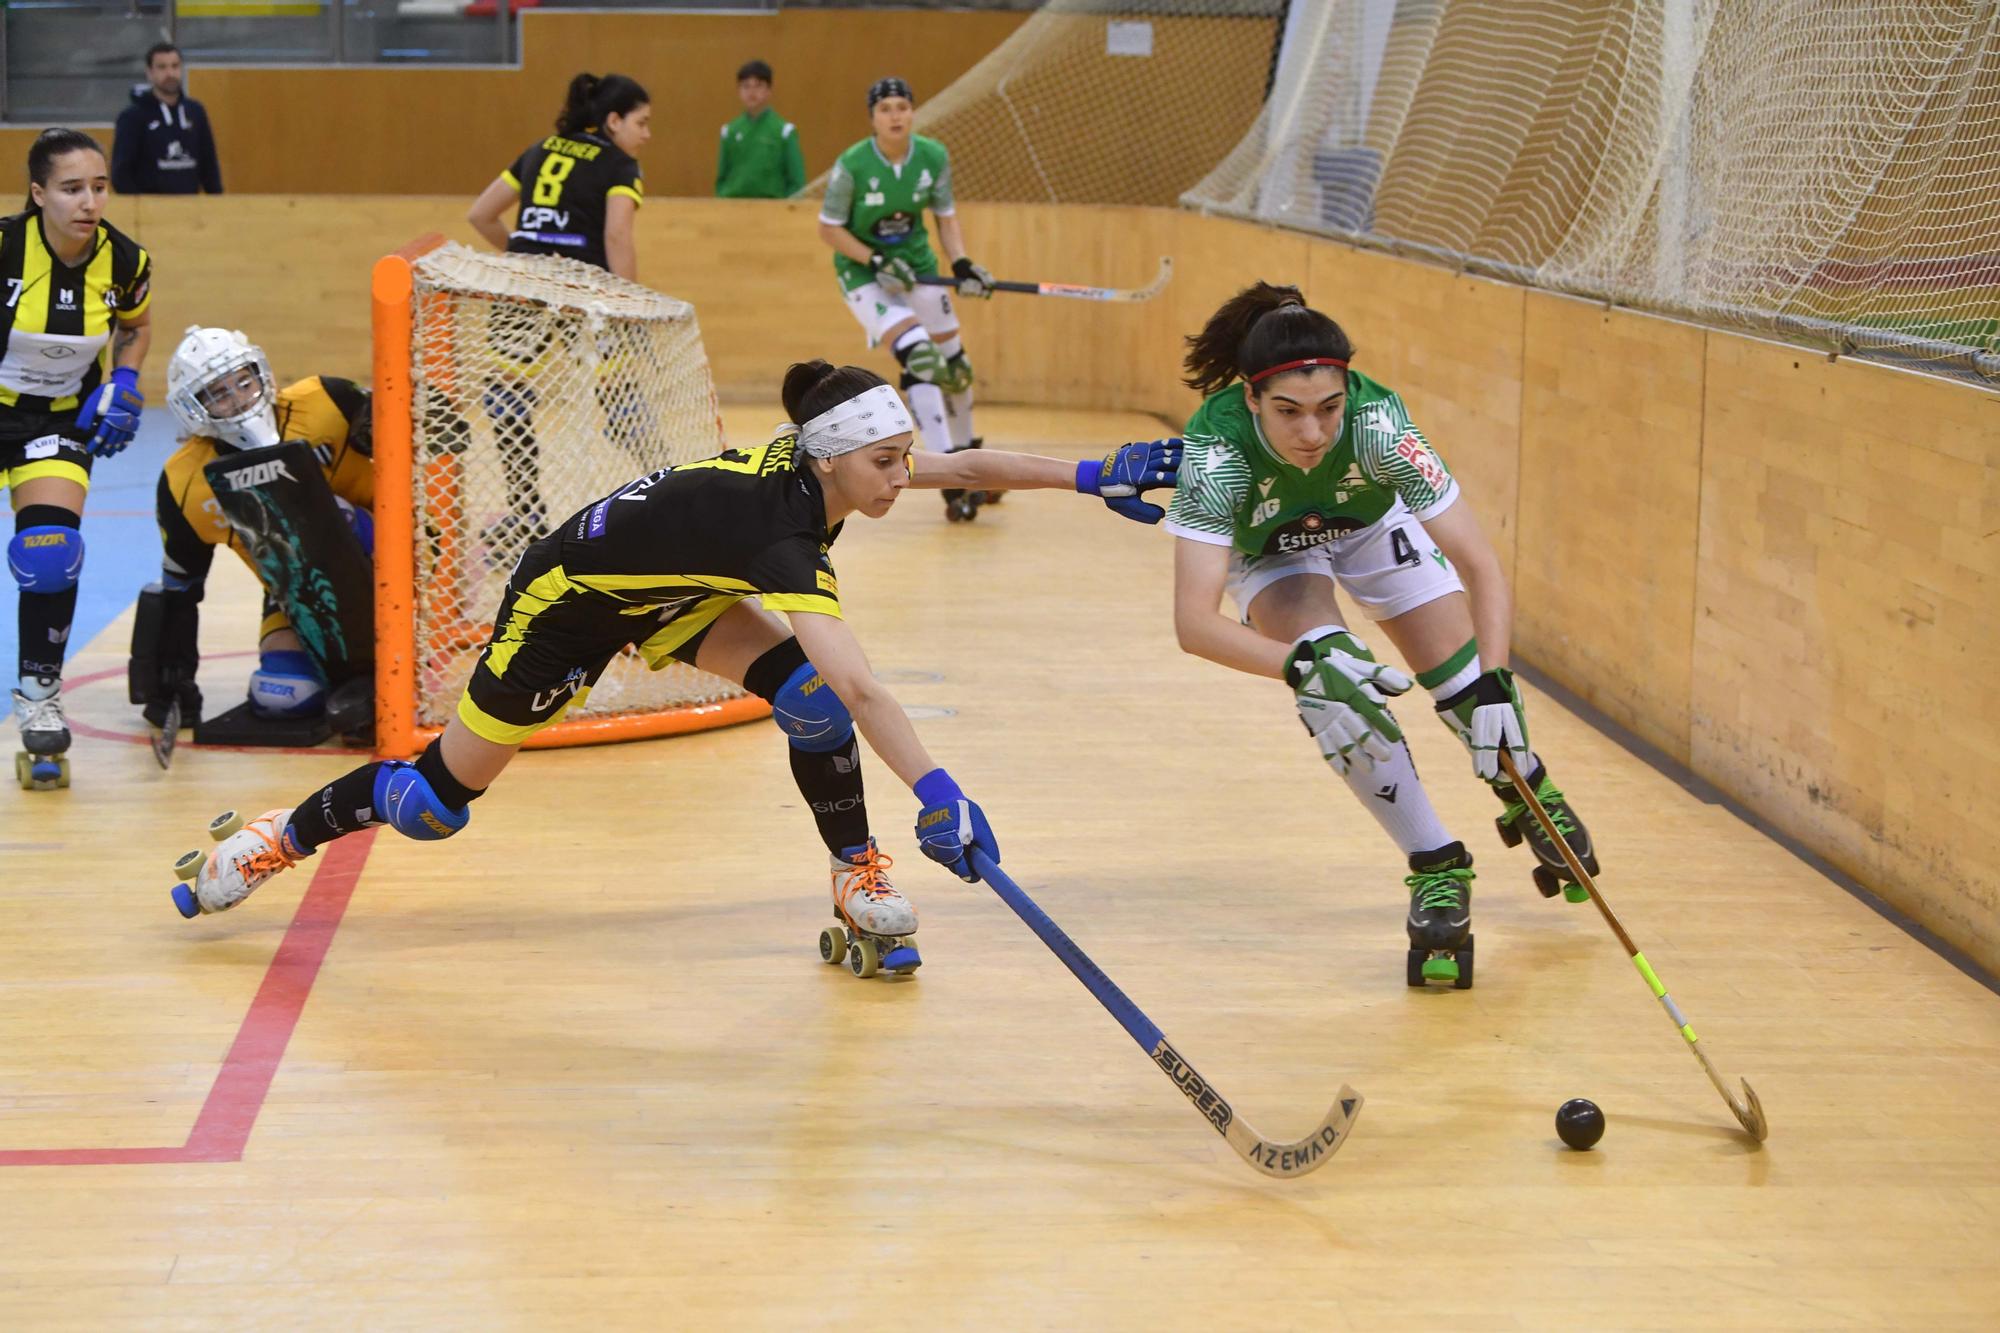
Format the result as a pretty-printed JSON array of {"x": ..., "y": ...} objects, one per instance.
[{"x": 768, "y": 674}]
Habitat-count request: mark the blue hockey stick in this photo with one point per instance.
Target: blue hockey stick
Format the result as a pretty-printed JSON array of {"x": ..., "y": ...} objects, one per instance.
[{"x": 1273, "y": 1159}]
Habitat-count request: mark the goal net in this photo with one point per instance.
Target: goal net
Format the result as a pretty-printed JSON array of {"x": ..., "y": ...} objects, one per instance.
[
  {"x": 1826, "y": 170},
  {"x": 512, "y": 390}
]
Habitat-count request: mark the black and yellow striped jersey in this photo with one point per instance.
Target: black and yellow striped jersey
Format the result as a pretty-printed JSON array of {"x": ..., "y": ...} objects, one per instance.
[
  {"x": 332, "y": 415},
  {"x": 564, "y": 183},
  {"x": 55, "y": 329},
  {"x": 745, "y": 523}
]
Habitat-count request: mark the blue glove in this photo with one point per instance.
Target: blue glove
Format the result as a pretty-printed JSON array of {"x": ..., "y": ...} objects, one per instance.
[
  {"x": 111, "y": 413},
  {"x": 1128, "y": 472},
  {"x": 949, "y": 824}
]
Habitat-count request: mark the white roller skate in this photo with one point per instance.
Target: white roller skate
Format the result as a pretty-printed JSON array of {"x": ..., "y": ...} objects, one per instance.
[
  {"x": 250, "y": 854},
  {"x": 876, "y": 920},
  {"x": 42, "y": 763}
]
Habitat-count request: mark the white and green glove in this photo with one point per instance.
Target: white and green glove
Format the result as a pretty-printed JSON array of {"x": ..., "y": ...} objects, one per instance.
[
  {"x": 1343, "y": 693},
  {"x": 895, "y": 273},
  {"x": 1487, "y": 716}
]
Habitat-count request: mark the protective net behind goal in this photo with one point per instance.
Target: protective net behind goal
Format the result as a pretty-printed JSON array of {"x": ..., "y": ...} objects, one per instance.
[
  {"x": 536, "y": 385},
  {"x": 1105, "y": 101},
  {"x": 1830, "y": 171}
]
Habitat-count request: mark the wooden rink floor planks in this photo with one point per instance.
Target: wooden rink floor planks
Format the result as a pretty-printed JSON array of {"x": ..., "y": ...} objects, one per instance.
[{"x": 581, "y": 1067}]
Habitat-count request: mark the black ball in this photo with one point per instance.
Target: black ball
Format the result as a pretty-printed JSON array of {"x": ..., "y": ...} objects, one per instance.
[{"x": 1579, "y": 1123}]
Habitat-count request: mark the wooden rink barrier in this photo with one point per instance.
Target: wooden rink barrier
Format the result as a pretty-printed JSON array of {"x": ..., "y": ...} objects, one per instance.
[{"x": 1776, "y": 568}]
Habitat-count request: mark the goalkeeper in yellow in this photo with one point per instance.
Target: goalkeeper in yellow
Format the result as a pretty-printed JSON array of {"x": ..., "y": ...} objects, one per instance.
[
  {"x": 675, "y": 564},
  {"x": 222, "y": 393}
]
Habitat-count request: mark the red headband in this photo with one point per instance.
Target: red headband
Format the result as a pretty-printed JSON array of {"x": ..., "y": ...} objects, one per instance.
[{"x": 1297, "y": 365}]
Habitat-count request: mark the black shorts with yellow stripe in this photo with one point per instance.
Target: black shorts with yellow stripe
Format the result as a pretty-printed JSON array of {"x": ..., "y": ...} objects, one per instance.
[
  {"x": 37, "y": 444},
  {"x": 551, "y": 641}
]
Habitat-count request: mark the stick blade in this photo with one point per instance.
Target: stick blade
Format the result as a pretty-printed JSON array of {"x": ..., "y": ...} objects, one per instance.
[
  {"x": 166, "y": 736},
  {"x": 1751, "y": 1112},
  {"x": 1288, "y": 1161}
]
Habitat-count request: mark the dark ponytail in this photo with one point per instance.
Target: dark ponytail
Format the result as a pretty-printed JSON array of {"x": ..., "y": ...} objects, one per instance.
[
  {"x": 811, "y": 387},
  {"x": 1260, "y": 327},
  {"x": 48, "y": 146},
  {"x": 591, "y": 99}
]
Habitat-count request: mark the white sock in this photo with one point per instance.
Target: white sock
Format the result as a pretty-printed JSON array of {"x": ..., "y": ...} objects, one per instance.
[
  {"x": 927, "y": 406},
  {"x": 1454, "y": 675},
  {"x": 1395, "y": 795},
  {"x": 959, "y": 408}
]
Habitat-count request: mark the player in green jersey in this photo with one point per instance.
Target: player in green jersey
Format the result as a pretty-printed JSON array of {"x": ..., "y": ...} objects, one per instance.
[
  {"x": 1301, "y": 475},
  {"x": 873, "y": 217}
]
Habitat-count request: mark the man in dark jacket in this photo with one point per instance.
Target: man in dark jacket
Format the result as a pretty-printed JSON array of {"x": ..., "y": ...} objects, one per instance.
[{"x": 163, "y": 144}]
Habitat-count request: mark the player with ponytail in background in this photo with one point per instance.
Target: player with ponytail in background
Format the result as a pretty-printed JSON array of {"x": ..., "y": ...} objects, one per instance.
[
  {"x": 873, "y": 218},
  {"x": 73, "y": 334}
]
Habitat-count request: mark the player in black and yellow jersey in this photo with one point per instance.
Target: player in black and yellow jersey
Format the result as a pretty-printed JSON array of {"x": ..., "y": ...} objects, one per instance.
[
  {"x": 221, "y": 390},
  {"x": 578, "y": 191},
  {"x": 671, "y": 563},
  {"x": 73, "y": 334}
]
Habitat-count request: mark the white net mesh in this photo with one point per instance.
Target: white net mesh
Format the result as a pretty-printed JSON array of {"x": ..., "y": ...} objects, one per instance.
[
  {"x": 539, "y": 384},
  {"x": 1105, "y": 101},
  {"x": 1830, "y": 170}
]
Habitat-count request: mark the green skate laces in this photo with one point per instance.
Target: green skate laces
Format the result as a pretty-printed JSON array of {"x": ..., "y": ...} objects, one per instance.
[
  {"x": 1552, "y": 801},
  {"x": 1438, "y": 888}
]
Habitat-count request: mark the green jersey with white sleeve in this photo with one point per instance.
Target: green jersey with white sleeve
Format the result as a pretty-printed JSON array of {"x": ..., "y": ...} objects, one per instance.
[
  {"x": 882, "y": 204},
  {"x": 1235, "y": 491}
]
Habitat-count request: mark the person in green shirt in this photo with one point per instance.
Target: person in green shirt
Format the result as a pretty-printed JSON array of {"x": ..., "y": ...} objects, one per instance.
[
  {"x": 873, "y": 218},
  {"x": 760, "y": 157},
  {"x": 1302, "y": 474}
]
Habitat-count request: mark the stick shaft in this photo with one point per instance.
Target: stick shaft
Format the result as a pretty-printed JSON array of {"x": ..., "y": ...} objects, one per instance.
[{"x": 1747, "y": 1110}]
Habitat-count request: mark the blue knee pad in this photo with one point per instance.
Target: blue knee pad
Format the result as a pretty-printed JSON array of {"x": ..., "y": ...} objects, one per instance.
[
  {"x": 405, "y": 802},
  {"x": 46, "y": 559},
  {"x": 811, "y": 714}
]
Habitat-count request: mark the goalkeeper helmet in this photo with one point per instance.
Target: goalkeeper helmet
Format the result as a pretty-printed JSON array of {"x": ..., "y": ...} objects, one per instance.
[{"x": 220, "y": 387}]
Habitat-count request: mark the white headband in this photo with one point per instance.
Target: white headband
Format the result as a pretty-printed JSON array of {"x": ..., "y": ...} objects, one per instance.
[{"x": 867, "y": 418}]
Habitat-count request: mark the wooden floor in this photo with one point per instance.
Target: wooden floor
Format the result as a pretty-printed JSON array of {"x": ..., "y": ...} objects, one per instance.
[{"x": 582, "y": 1068}]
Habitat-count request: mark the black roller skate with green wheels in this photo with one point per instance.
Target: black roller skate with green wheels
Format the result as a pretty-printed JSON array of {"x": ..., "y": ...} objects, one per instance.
[
  {"x": 1518, "y": 823},
  {"x": 1440, "y": 923}
]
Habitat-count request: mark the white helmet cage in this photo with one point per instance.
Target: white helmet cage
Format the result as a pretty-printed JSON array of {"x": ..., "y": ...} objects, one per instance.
[{"x": 206, "y": 355}]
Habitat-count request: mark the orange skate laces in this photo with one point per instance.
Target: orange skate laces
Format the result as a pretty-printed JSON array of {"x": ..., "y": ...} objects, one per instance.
[
  {"x": 871, "y": 873},
  {"x": 272, "y": 858}
]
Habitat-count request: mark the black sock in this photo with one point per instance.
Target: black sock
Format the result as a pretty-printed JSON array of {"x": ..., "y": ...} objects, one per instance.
[
  {"x": 345, "y": 805},
  {"x": 44, "y": 618},
  {"x": 831, "y": 783}
]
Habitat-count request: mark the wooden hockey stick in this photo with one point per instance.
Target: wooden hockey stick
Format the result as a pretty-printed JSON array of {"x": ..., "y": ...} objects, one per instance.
[
  {"x": 1273, "y": 1159},
  {"x": 1069, "y": 289},
  {"x": 1748, "y": 1110}
]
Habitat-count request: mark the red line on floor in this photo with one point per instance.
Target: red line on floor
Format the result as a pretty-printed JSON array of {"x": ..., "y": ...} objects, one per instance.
[{"x": 241, "y": 1085}]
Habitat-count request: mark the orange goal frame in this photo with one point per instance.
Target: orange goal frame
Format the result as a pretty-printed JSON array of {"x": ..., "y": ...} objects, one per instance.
[{"x": 397, "y": 733}]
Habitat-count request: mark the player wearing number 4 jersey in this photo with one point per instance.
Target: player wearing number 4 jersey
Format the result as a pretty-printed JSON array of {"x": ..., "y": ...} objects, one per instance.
[
  {"x": 873, "y": 217},
  {"x": 676, "y": 563},
  {"x": 1303, "y": 474}
]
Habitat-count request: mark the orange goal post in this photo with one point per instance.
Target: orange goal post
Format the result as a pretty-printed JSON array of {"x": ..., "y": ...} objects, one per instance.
[{"x": 510, "y": 391}]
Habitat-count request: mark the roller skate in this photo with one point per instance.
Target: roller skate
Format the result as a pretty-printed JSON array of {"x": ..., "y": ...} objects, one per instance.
[
  {"x": 1440, "y": 922},
  {"x": 961, "y": 506},
  {"x": 1552, "y": 875},
  {"x": 250, "y": 854},
  {"x": 876, "y": 922},
  {"x": 42, "y": 763}
]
